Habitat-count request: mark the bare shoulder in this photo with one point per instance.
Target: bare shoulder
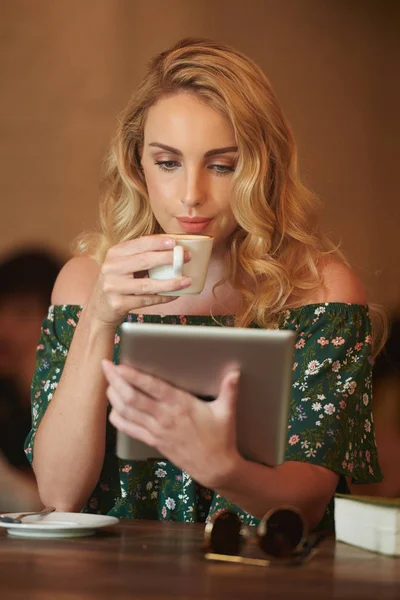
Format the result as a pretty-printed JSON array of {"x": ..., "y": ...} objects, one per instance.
[
  {"x": 75, "y": 281},
  {"x": 340, "y": 284}
]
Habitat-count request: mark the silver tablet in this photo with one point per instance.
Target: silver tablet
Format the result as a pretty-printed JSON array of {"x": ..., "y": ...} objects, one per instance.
[{"x": 195, "y": 358}]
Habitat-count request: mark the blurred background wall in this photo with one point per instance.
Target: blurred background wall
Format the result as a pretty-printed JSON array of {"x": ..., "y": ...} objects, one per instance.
[{"x": 67, "y": 67}]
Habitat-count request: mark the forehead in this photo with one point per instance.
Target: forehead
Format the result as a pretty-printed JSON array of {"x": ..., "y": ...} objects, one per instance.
[{"x": 184, "y": 119}]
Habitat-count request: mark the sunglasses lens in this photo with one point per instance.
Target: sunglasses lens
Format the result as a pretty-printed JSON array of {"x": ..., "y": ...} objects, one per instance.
[
  {"x": 281, "y": 532},
  {"x": 225, "y": 535}
]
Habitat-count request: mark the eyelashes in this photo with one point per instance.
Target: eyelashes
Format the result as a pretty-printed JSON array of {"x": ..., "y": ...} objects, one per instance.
[
  {"x": 221, "y": 169},
  {"x": 169, "y": 166}
]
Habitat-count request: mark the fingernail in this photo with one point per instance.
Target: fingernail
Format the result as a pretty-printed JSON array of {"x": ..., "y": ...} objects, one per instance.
[
  {"x": 168, "y": 243},
  {"x": 188, "y": 255},
  {"x": 185, "y": 282},
  {"x": 235, "y": 376}
]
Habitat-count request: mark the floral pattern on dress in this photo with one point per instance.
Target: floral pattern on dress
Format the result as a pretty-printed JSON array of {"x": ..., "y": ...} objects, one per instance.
[{"x": 330, "y": 419}]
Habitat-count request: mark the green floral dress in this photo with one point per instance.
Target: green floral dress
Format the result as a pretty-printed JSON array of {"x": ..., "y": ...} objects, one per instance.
[{"x": 330, "y": 421}]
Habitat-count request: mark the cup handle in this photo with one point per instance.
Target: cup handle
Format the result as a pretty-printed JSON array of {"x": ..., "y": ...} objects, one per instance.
[{"x": 177, "y": 265}]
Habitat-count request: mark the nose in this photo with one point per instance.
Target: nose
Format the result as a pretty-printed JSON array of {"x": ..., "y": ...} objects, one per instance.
[{"x": 195, "y": 192}]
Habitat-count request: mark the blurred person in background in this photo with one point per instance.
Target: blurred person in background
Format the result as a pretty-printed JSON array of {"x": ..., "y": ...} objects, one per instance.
[{"x": 27, "y": 276}]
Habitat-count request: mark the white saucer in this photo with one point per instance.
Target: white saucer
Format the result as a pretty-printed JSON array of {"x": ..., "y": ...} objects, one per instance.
[{"x": 58, "y": 525}]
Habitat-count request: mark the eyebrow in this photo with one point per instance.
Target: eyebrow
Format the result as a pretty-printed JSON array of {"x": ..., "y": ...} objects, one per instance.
[{"x": 206, "y": 155}]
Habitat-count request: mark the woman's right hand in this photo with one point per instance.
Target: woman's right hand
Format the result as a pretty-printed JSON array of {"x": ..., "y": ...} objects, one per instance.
[{"x": 121, "y": 287}]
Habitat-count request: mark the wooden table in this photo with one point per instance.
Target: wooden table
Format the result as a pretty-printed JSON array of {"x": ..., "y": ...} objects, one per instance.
[{"x": 159, "y": 560}]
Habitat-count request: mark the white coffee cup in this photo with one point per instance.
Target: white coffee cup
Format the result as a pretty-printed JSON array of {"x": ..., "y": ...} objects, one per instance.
[{"x": 200, "y": 247}]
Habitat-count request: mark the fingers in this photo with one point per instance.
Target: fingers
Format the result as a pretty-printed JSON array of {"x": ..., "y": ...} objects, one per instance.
[
  {"x": 132, "y": 429},
  {"x": 125, "y": 398},
  {"x": 134, "y": 411},
  {"x": 146, "y": 243},
  {"x": 115, "y": 284},
  {"x": 121, "y": 305},
  {"x": 129, "y": 412},
  {"x": 231, "y": 379},
  {"x": 121, "y": 286},
  {"x": 148, "y": 384},
  {"x": 136, "y": 263},
  {"x": 229, "y": 390},
  {"x": 151, "y": 300}
]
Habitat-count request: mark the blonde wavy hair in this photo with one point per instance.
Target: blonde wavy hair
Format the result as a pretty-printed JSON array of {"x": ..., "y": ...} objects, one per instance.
[{"x": 274, "y": 253}]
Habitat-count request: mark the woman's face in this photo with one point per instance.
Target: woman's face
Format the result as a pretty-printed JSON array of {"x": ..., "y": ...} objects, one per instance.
[{"x": 188, "y": 158}]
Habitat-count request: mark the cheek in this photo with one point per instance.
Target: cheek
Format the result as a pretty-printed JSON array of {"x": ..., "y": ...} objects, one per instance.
[
  {"x": 226, "y": 223},
  {"x": 154, "y": 185},
  {"x": 223, "y": 196},
  {"x": 162, "y": 190}
]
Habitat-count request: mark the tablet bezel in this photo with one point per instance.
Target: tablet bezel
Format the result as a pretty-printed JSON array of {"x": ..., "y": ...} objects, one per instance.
[{"x": 265, "y": 358}]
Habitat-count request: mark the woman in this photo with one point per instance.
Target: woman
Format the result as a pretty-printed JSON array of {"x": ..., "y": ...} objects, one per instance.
[{"x": 203, "y": 145}]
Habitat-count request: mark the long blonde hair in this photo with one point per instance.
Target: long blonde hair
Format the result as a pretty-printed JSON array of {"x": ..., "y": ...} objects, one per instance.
[{"x": 274, "y": 253}]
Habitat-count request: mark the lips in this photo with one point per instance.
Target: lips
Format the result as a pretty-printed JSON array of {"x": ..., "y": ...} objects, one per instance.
[{"x": 193, "y": 224}]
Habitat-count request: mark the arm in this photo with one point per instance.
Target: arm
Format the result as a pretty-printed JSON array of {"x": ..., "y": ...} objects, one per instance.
[
  {"x": 199, "y": 437},
  {"x": 72, "y": 431},
  {"x": 308, "y": 486},
  {"x": 70, "y": 441},
  {"x": 257, "y": 489}
]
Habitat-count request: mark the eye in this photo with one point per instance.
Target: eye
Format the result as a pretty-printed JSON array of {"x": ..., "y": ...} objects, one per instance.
[
  {"x": 222, "y": 169},
  {"x": 167, "y": 165}
]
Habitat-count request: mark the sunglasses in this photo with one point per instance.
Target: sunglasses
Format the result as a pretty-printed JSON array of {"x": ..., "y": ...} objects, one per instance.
[{"x": 281, "y": 534}]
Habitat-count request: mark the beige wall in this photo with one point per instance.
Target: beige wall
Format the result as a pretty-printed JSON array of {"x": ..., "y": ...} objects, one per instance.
[{"x": 68, "y": 66}]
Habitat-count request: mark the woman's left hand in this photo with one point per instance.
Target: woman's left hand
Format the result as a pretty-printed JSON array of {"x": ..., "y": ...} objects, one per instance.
[{"x": 196, "y": 436}]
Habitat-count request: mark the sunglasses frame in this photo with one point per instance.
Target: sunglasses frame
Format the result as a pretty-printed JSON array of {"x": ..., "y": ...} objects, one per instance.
[{"x": 297, "y": 554}]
